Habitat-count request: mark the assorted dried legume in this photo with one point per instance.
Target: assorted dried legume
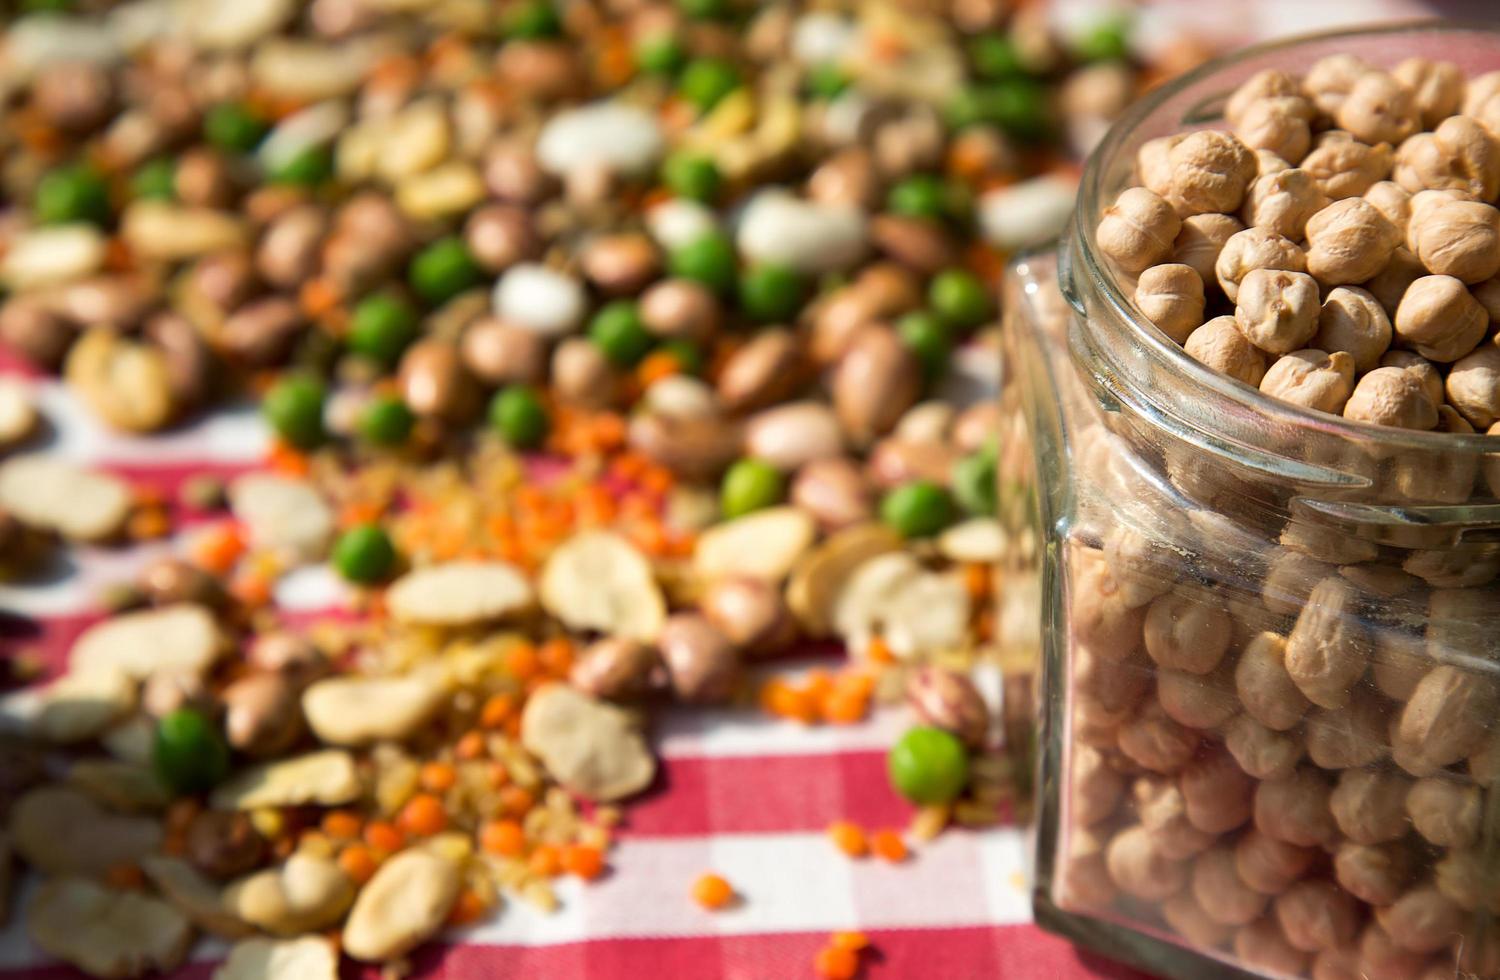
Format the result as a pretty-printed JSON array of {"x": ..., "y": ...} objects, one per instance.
[{"x": 709, "y": 258}]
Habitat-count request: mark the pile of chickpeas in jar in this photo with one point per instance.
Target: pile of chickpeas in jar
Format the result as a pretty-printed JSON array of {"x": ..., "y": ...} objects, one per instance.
[{"x": 1282, "y": 740}]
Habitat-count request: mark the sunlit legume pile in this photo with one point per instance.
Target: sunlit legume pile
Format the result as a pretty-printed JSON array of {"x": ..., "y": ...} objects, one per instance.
[
  {"x": 606, "y": 349},
  {"x": 1284, "y": 735}
]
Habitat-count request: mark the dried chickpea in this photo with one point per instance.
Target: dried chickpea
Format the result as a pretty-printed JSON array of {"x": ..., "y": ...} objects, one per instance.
[
  {"x": 1378, "y": 109},
  {"x": 1369, "y": 805},
  {"x": 1153, "y": 741},
  {"x": 1222, "y": 894},
  {"x": 1295, "y": 809},
  {"x": 1220, "y": 345},
  {"x": 1267, "y": 163},
  {"x": 1349, "y": 241},
  {"x": 1437, "y": 87},
  {"x": 1171, "y": 296},
  {"x": 1153, "y": 166},
  {"x": 1422, "y": 920},
  {"x": 1277, "y": 311},
  {"x": 1445, "y": 811},
  {"x": 1210, "y": 172},
  {"x": 1488, "y": 294},
  {"x": 1266, "y": 689},
  {"x": 1101, "y": 615},
  {"x": 1446, "y": 718},
  {"x": 1391, "y": 283},
  {"x": 1326, "y": 543},
  {"x": 1374, "y": 873},
  {"x": 1269, "y": 865},
  {"x": 1459, "y": 239},
  {"x": 1393, "y": 201},
  {"x": 1217, "y": 792},
  {"x": 1095, "y": 789},
  {"x": 1424, "y": 370},
  {"x": 1381, "y": 958},
  {"x": 1463, "y": 879},
  {"x": 1347, "y": 737},
  {"x": 1280, "y": 124},
  {"x": 1312, "y": 379},
  {"x": 1473, "y": 386},
  {"x": 1201, "y": 240},
  {"x": 1112, "y": 688},
  {"x": 1264, "y": 84},
  {"x": 1315, "y": 914},
  {"x": 1137, "y": 231},
  {"x": 1329, "y": 80},
  {"x": 1352, "y": 321},
  {"x": 1440, "y": 319},
  {"x": 1262, "y": 946},
  {"x": 1345, "y": 167},
  {"x": 1392, "y": 396},
  {"x": 1397, "y": 663},
  {"x": 1290, "y": 577},
  {"x": 1484, "y": 762},
  {"x": 1283, "y": 202},
  {"x": 1185, "y": 631},
  {"x": 1251, "y": 249},
  {"x": 1084, "y": 881},
  {"x": 1479, "y": 90},
  {"x": 1145, "y": 567},
  {"x": 1337, "y": 964},
  {"x": 1192, "y": 922},
  {"x": 1460, "y": 155},
  {"x": 1163, "y": 812},
  {"x": 1328, "y": 649},
  {"x": 1262, "y": 752},
  {"x": 1198, "y": 700},
  {"x": 1138, "y": 867}
]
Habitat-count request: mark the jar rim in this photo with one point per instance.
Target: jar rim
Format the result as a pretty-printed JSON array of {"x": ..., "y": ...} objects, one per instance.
[{"x": 1084, "y": 255}]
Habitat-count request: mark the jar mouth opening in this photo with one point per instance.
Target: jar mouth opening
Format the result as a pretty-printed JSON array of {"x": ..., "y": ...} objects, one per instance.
[{"x": 1097, "y": 188}]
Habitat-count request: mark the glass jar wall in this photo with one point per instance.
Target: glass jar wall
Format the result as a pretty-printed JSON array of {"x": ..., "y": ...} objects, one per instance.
[{"x": 1271, "y": 732}]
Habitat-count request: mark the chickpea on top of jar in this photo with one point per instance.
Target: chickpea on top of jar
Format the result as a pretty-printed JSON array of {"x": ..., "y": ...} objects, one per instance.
[{"x": 1340, "y": 217}]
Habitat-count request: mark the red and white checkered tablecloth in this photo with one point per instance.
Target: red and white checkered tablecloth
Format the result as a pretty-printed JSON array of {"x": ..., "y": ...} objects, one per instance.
[{"x": 744, "y": 795}]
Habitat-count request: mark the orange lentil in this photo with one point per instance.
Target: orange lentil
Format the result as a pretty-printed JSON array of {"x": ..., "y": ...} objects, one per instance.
[
  {"x": 583, "y": 861},
  {"x": 654, "y": 367},
  {"x": 437, "y": 777},
  {"x": 497, "y": 708},
  {"x": 879, "y": 652},
  {"x": 849, "y": 838},
  {"x": 342, "y": 824},
  {"x": 252, "y": 589},
  {"x": 467, "y": 907},
  {"x": 516, "y": 800},
  {"x": 849, "y": 940},
  {"x": 503, "y": 837},
  {"x": 148, "y": 524},
  {"x": 712, "y": 892},
  {"x": 384, "y": 836},
  {"x": 545, "y": 860},
  {"x": 818, "y": 683},
  {"x": 499, "y": 775},
  {"x": 779, "y": 698},
  {"x": 889, "y": 845},
  {"x": 977, "y": 580},
  {"x": 841, "y": 707},
  {"x": 358, "y": 862},
  {"x": 126, "y": 876},
  {"x": 522, "y": 662},
  {"x": 217, "y": 549},
  {"x": 470, "y": 745},
  {"x": 856, "y": 682},
  {"x": 423, "y": 815},
  {"x": 286, "y": 459},
  {"x": 557, "y": 656},
  {"x": 836, "y": 963},
  {"x": 319, "y": 297},
  {"x": 658, "y": 480}
]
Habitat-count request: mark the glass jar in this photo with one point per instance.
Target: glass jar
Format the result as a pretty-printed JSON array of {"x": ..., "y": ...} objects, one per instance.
[{"x": 1270, "y": 740}]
